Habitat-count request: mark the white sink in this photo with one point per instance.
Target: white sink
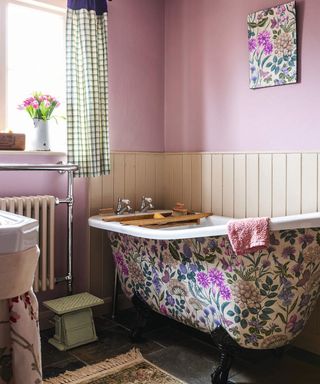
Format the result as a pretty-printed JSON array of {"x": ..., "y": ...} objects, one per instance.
[{"x": 17, "y": 233}]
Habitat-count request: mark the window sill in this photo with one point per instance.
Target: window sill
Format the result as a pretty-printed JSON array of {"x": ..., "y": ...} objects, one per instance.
[{"x": 32, "y": 153}]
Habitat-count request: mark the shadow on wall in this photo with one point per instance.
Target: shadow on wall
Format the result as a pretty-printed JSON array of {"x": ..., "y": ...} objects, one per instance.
[
  {"x": 185, "y": 74},
  {"x": 300, "y": 18}
]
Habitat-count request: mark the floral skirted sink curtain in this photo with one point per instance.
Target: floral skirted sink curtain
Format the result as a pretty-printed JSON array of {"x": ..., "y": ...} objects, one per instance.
[
  {"x": 87, "y": 87},
  {"x": 20, "y": 350}
]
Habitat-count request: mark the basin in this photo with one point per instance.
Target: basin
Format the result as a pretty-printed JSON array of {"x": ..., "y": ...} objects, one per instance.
[
  {"x": 17, "y": 233},
  {"x": 19, "y": 254}
]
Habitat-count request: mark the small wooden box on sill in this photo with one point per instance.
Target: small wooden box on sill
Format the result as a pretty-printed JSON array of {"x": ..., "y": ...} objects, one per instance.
[{"x": 12, "y": 141}]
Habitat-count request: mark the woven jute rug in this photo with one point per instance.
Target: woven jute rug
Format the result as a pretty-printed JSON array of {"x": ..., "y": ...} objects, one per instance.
[{"x": 129, "y": 368}]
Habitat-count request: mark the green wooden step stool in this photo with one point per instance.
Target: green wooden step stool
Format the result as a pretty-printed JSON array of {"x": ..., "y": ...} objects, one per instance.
[{"x": 73, "y": 320}]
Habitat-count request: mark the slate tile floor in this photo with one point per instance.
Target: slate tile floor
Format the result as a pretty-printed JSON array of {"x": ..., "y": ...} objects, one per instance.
[{"x": 182, "y": 351}]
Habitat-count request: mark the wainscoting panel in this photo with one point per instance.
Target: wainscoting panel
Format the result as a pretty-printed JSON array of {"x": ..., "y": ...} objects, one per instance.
[
  {"x": 239, "y": 203},
  {"x": 309, "y": 170},
  {"x": 206, "y": 182},
  {"x": 243, "y": 184},
  {"x": 293, "y": 183},
  {"x": 265, "y": 185},
  {"x": 196, "y": 182},
  {"x": 279, "y": 187},
  {"x": 217, "y": 183},
  {"x": 133, "y": 175},
  {"x": 229, "y": 184},
  {"x": 252, "y": 185}
]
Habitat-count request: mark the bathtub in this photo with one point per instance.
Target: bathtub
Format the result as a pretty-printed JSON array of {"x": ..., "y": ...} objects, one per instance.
[{"x": 192, "y": 275}]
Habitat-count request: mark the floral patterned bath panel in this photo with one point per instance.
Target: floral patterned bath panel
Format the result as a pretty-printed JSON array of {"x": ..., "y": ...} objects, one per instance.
[{"x": 272, "y": 43}]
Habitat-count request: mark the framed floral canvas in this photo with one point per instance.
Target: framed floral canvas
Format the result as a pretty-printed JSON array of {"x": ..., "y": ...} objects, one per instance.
[{"x": 272, "y": 43}]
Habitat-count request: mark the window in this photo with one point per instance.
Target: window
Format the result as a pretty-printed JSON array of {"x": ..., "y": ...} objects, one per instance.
[{"x": 32, "y": 59}]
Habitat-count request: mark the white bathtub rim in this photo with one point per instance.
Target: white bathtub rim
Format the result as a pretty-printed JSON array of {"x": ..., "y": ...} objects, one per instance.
[{"x": 306, "y": 220}]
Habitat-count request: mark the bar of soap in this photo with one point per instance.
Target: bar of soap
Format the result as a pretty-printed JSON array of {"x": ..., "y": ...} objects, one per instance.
[{"x": 158, "y": 216}]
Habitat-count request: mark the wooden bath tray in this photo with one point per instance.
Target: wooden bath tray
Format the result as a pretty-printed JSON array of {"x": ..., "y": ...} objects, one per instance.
[
  {"x": 134, "y": 217},
  {"x": 150, "y": 222}
]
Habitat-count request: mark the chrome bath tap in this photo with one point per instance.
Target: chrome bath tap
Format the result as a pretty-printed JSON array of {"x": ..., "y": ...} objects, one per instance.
[
  {"x": 146, "y": 204},
  {"x": 123, "y": 206}
]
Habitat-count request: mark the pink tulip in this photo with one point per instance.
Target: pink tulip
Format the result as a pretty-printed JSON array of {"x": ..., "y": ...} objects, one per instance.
[
  {"x": 28, "y": 101},
  {"x": 35, "y": 104},
  {"x": 32, "y": 103}
]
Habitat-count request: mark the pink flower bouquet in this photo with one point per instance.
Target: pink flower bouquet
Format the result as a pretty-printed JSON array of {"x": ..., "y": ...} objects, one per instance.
[{"x": 39, "y": 106}]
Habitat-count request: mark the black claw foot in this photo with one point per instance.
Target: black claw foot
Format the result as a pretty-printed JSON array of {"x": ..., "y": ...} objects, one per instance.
[
  {"x": 226, "y": 347},
  {"x": 220, "y": 375}
]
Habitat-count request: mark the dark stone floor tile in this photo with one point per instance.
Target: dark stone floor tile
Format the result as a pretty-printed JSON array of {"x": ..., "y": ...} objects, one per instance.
[
  {"x": 47, "y": 334},
  {"x": 178, "y": 331},
  {"x": 175, "y": 337},
  {"x": 115, "y": 336},
  {"x": 167, "y": 336},
  {"x": 306, "y": 356},
  {"x": 182, "y": 351},
  {"x": 70, "y": 364},
  {"x": 277, "y": 371},
  {"x": 103, "y": 322},
  {"x": 95, "y": 352},
  {"x": 184, "y": 363},
  {"x": 51, "y": 355},
  {"x": 112, "y": 341},
  {"x": 127, "y": 318},
  {"x": 295, "y": 371},
  {"x": 101, "y": 332}
]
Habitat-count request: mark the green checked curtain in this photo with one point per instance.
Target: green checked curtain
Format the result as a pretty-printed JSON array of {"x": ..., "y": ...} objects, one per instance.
[{"x": 87, "y": 87}]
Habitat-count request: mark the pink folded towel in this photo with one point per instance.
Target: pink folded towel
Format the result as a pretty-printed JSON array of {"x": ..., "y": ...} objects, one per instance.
[{"x": 248, "y": 235}]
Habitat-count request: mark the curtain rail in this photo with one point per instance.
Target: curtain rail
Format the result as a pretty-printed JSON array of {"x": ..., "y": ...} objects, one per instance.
[{"x": 61, "y": 168}]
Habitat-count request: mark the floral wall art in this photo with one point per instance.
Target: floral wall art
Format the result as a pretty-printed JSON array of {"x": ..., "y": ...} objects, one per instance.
[{"x": 272, "y": 43}]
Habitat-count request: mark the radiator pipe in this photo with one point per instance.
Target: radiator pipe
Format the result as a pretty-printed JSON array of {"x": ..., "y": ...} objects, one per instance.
[
  {"x": 69, "y": 276},
  {"x": 69, "y": 200},
  {"x": 60, "y": 167}
]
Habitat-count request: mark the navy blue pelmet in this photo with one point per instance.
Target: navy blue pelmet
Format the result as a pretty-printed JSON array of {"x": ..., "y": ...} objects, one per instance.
[{"x": 100, "y": 6}]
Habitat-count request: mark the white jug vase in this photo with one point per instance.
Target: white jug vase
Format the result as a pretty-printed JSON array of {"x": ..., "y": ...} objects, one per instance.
[{"x": 40, "y": 140}]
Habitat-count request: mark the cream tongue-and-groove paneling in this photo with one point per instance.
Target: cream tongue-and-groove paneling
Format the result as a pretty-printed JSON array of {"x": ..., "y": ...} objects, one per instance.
[
  {"x": 132, "y": 176},
  {"x": 243, "y": 184},
  {"x": 216, "y": 184},
  {"x": 229, "y": 184}
]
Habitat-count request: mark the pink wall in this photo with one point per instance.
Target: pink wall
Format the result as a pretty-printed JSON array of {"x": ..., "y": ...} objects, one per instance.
[
  {"x": 208, "y": 103},
  {"x": 136, "y": 74},
  {"x": 51, "y": 183},
  {"x": 136, "y": 80}
]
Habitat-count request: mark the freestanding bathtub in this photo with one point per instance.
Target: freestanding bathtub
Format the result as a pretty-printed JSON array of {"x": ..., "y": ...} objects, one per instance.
[{"x": 191, "y": 274}]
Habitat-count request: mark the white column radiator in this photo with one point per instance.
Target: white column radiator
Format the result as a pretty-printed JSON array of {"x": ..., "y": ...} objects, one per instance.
[{"x": 41, "y": 208}]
